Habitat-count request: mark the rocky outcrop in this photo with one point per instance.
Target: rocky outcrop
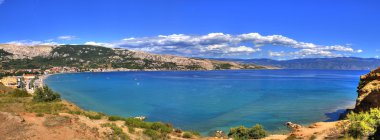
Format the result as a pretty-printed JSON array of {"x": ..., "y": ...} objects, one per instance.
[
  {"x": 368, "y": 91},
  {"x": 22, "y": 51}
]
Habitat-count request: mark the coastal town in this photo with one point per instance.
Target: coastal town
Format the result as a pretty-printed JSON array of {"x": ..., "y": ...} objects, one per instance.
[{"x": 30, "y": 79}]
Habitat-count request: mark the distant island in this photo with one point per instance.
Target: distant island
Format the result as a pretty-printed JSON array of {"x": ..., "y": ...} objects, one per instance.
[{"x": 338, "y": 63}]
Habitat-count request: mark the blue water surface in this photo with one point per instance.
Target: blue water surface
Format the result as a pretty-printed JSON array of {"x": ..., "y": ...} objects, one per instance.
[{"x": 214, "y": 100}]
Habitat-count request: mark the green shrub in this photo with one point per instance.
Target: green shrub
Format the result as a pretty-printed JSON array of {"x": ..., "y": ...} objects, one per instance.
[
  {"x": 46, "y": 107},
  {"x": 161, "y": 127},
  {"x": 154, "y": 135},
  {"x": 117, "y": 132},
  {"x": 76, "y": 112},
  {"x": 257, "y": 132},
  {"x": 20, "y": 93},
  {"x": 116, "y": 118},
  {"x": 45, "y": 94},
  {"x": 131, "y": 129},
  {"x": 241, "y": 132},
  {"x": 187, "y": 135},
  {"x": 137, "y": 123},
  {"x": 93, "y": 115},
  {"x": 363, "y": 124}
]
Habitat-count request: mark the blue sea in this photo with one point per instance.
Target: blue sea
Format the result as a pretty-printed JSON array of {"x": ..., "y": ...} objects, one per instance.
[{"x": 214, "y": 100}]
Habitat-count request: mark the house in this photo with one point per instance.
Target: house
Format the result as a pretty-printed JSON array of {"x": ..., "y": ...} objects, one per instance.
[
  {"x": 28, "y": 77},
  {"x": 10, "y": 81}
]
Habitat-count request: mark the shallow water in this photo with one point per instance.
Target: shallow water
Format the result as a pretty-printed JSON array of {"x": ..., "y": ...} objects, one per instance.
[{"x": 214, "y": 100}]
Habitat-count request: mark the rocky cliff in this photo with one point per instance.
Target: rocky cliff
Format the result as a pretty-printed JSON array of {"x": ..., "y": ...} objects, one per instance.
[
  {"x": 368, "y": 91},
  {"x": 21, "y": 52}
]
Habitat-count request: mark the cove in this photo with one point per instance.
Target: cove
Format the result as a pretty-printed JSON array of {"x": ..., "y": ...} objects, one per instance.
[{"x": 214, "y": 100}]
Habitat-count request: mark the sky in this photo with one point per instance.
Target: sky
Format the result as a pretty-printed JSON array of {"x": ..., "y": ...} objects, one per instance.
[{"x": 276, "y": 29}]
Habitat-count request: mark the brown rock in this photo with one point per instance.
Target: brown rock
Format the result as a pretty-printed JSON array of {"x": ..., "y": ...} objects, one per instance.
[{"x": 368, "y": 91}]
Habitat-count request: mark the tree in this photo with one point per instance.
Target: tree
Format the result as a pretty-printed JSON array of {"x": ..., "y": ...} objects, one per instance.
[
  {"x": 243, "y": 133},
  {"x": 257, "y": 132},
  {"x": 45, "y": 94},
  {"x": 240, "y": 132}
]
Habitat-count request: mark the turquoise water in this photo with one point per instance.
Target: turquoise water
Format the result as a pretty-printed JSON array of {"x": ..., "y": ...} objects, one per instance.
[{"x": 214, "y": 100}]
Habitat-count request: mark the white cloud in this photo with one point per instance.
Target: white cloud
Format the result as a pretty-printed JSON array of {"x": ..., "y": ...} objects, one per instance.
[
  {"x": 304, "y": 53},
  {"x": 314, "y": 53},
  {"x": 216, "y": 44},
  {"x": 32, "y": 43},
  {"x": 243, "y": 49},
  {"x": 100, "y": 44},
  {"x": 221, "y": 44},
  {"x": 277, "y": 54},
  {"x": 67, "y": 37},
  {"x": 1, "y": 2}
]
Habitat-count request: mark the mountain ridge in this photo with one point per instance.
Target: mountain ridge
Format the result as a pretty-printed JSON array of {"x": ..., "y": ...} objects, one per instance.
[
  {"x": 89, "y": 56},
  {"x": 338, "y": 63}
]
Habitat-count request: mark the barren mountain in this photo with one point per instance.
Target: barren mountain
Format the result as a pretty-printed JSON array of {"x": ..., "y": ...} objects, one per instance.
[
  {"x": 21, "y": 52},
  {"x": 87, "y": 56}
]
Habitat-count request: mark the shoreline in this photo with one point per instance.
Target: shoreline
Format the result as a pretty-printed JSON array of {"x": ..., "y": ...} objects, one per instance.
[{"x": 281, "y": 132}]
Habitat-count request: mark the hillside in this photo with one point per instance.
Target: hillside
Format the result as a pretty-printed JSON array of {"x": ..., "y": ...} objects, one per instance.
[
  {"x": 24, "y": 118},
  {"x": 86, "y": 57},
  {"x": 339, "y": 63}
]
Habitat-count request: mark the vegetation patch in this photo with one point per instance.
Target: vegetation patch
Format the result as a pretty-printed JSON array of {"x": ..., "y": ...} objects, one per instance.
[
  {"x": 241, "y": 132},
  {"x": 223, "y": 66},
  {"x": 4, "y": 89},
  {"x": 116, "y": 118},
  {"x": 8, "y": 103},
  {"x": 117, "y": 132},
  {"x": 93, "y": 115},
  {"x": 187, "y": 135},
  {"x": 194, "y": 67},
  {"x": 46, "y": 107},
  {"x": 137, "y": 123},
  {"x": 45, "y": 94},
  {"x": 154, "y": 135},
  {"x": 363, "y": 124},
  {"x": 20, "y": 93},
  {"x": 131, "y": 129}
]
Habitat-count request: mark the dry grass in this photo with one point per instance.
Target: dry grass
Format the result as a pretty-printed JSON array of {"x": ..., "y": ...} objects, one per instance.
[{"x": 53, "y": 121}]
